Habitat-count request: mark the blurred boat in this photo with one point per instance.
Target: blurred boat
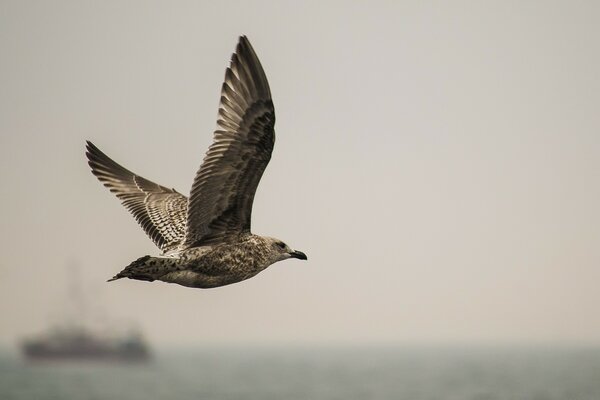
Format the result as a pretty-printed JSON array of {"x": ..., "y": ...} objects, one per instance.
[
  {"x": 82, "y": 344},
  {"x": 85, "y": 335}
]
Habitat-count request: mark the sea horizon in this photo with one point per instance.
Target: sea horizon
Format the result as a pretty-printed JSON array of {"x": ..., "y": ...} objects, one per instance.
[{"x": 376, "y": 372}]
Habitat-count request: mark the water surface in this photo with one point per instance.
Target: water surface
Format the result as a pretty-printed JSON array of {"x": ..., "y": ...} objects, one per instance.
[{"x": 315, "y": 373}]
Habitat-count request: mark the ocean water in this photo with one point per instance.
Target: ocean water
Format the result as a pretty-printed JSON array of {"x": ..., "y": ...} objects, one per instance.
[{"x": 315, "y": 373}]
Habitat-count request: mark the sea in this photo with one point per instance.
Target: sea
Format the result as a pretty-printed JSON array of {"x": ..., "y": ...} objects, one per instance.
[{"x": 321, "y": 372}]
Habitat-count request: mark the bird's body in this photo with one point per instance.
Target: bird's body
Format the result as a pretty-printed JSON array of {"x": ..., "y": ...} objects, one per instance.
[
  {"x": 206, "y": 239},
  {"x": 209, "y": 266}
]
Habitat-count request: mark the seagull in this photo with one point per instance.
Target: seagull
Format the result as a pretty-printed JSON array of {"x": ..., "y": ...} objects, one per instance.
[{"x": 205, "y": 239}]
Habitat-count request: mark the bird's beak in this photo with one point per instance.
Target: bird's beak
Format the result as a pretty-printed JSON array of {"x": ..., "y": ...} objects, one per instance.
[{"x": 298, "y": 254}]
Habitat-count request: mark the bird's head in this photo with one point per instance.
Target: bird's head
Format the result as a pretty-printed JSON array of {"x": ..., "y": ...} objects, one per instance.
[{"x": 282, "y": 251}]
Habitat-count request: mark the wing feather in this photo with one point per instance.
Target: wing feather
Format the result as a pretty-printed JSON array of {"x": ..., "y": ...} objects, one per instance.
[
  {"x": 160, "y": 211},
  {"x": 221, "y": 197}
]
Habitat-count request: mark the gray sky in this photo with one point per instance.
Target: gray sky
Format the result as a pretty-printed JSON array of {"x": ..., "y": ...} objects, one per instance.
[{"x": 438, "y": 162}]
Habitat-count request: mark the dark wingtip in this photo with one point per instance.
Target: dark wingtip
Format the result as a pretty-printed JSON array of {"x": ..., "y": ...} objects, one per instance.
[
  {"x": 89, "y": 146},
  {"x": 243, "y": 43},
  {"x": 91, "y": 151}
]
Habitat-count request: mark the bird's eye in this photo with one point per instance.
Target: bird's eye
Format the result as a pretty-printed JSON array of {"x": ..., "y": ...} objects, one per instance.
[{"x": 281, "y": 245}]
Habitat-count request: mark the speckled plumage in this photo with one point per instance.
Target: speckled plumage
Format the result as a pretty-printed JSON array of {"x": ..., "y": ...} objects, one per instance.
[{"x": 206, "y": 239}]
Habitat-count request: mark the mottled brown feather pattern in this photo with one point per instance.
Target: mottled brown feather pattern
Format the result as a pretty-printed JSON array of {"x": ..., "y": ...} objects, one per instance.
[
  {"x": 161, "y": 212},
  {"x": 223, "y": 191},
  {"x": 206, "y": 240}
]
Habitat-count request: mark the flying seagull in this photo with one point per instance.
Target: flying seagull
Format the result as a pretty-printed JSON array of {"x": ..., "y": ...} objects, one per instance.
[{"x": 206, "y": 240}]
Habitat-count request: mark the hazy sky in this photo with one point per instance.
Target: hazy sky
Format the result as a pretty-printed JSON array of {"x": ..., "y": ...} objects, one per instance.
[{"x": 439, "y": 162}]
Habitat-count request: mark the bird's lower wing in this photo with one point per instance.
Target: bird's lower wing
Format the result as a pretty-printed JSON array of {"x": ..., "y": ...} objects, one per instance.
[{"x": 161, "y": 212}]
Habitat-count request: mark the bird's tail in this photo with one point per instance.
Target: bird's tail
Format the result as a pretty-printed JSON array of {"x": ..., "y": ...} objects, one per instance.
[{"x": 144, "y": 269}]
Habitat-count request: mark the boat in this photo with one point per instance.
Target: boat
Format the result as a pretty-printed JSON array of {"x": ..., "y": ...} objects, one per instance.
[
  {"x": 76, "y": 343},
  {"x": 84, "y": 335}
]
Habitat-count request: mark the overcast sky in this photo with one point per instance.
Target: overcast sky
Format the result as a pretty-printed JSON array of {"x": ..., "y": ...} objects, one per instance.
[{"x": 439, "y": 162}]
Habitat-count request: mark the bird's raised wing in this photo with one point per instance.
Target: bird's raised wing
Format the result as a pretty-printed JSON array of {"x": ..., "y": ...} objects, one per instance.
[
  {"x": 223, "y": 191},
  {"x": 162, "y": 212}
]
